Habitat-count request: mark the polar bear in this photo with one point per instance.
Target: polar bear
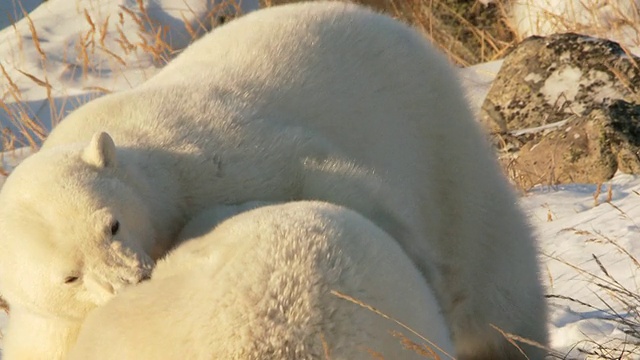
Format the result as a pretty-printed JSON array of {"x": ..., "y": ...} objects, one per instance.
[
  {"x": 267, "y": 285},
  {"x": 319, "y": 101}
]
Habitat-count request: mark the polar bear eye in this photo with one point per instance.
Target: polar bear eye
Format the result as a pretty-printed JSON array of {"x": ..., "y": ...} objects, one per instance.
[
  {"x": 70, "y": 279},
  {"x": 115, "y": 227}
]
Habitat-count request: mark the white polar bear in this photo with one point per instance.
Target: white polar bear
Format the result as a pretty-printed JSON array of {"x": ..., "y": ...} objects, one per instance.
[
  {"x": 323, "y": 101},
  {"x": 261, "y": 288}
]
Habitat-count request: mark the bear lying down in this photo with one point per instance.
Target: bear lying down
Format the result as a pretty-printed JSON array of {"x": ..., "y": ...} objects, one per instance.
[{"x": 261, "y": 286}]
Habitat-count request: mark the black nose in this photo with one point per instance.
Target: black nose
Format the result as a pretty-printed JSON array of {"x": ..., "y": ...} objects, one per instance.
[{"x": 144, "y": 277}]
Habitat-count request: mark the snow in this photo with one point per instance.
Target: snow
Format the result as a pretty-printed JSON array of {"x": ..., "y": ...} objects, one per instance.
[
  {"x": 12, "y": 10},
  {"x": 558, "y": 86},
  {"x": 611, "y": 19},
  {"x": 562, "y": 86},
  {"x": 573, "y": 227},
  {"x": 68, "y": 52},
  {"x": 477, "y": 80}
]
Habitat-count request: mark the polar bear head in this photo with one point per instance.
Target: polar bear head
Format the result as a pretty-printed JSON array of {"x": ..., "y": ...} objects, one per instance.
[{"x": 73, "y": 230}]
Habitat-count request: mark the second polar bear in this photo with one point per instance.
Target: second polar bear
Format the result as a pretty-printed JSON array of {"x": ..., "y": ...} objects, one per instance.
[
  {"x": 318, "y": 101},
  {"x": 264, "y": 285}
]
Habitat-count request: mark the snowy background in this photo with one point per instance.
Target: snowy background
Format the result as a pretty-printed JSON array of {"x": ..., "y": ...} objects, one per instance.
[{"x": 69, "y": 51}]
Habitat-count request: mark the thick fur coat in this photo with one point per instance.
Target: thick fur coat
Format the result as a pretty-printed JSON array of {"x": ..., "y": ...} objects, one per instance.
[
  {"x": 260, "y": 286},
  {"x": 324, "y": 101}
]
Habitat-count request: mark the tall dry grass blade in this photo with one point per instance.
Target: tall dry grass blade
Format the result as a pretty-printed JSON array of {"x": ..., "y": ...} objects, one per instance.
[
  {"x": 188, "y": 28},
  {"x": 114, "y": 56},
  {"x": 97, "y": 88},
  {"x": 34, "y": 35},
  {"x": 620, "y": 248},
  {"x": 397, "y": 322},
  {"x": 134, "y": 17},
  {"x": 419, "y": 349},
  {"x": 88, "y": 18},
  {"x": 512, "y": 339},
  {"x": 89, "y": 38},
  {"x": 597, "y": 194},
  {"x": 35, "y": 79},
  {"x": 83, "y": 56},
  {"x": 325, "y": 347},
  {"x": 374, "y": 354},
  {"x": 124, "y": 42},
  {"x": 104, "y": 30},
  {"x": 12, "y": 84}
]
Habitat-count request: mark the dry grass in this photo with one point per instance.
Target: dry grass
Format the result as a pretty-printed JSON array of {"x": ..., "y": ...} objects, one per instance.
[
  {"x": 428, "y": 349},
  {"x": 150, "y": 39},
  {"x": 612, "y": 295},
  {"x": 617, "y": 303},
  {"x": 466, "y": 30},
  {"x": 423, "y": 349}
]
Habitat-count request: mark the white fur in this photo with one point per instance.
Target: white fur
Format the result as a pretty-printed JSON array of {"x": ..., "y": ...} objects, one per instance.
[
  {"x": 262, "y": 290},
  {"x": 308, "y": 101}
]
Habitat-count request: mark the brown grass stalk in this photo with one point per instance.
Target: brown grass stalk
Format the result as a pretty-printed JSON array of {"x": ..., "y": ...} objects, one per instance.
[{"x": 397, "y": 322}]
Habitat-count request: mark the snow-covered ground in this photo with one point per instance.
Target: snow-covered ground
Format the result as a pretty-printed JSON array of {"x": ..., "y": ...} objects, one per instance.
[
  {"x": 69, "y": 51},
  {"x": 574, "y": 228},
  {"x": 573, "y": 232}
]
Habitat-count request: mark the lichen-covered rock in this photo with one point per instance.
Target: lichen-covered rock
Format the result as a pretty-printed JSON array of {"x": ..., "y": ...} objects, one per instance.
[
  {"x": 565, "y": 109},
  {"x": 588, "y": 149}
]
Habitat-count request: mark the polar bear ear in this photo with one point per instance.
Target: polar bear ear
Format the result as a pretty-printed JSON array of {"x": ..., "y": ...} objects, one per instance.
[{"x": 101, "y": 151}]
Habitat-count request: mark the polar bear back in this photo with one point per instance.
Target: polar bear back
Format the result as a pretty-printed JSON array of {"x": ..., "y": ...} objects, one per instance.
[
  {"x": 263, "y": 290},
  {"x": 318, "y": 100},
  {"x": 326, "y": 77},
  {"x": 309, "y": 96}
]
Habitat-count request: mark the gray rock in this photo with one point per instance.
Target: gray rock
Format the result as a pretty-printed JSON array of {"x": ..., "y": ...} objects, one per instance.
[
  {"x": 565, "y": 109},
  {"x": 587, "y": 149}
]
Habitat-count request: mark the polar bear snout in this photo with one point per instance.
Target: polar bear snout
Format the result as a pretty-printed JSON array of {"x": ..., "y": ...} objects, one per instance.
[
  {"x": 115, "y": 269},
  {"x": 144, "y": 277},
  {"x": 143, "y": 274},
  {"x": 136, "y": 265},
  {"x": 131, "y": 275},
  {"x": 103, "y": 285}
]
